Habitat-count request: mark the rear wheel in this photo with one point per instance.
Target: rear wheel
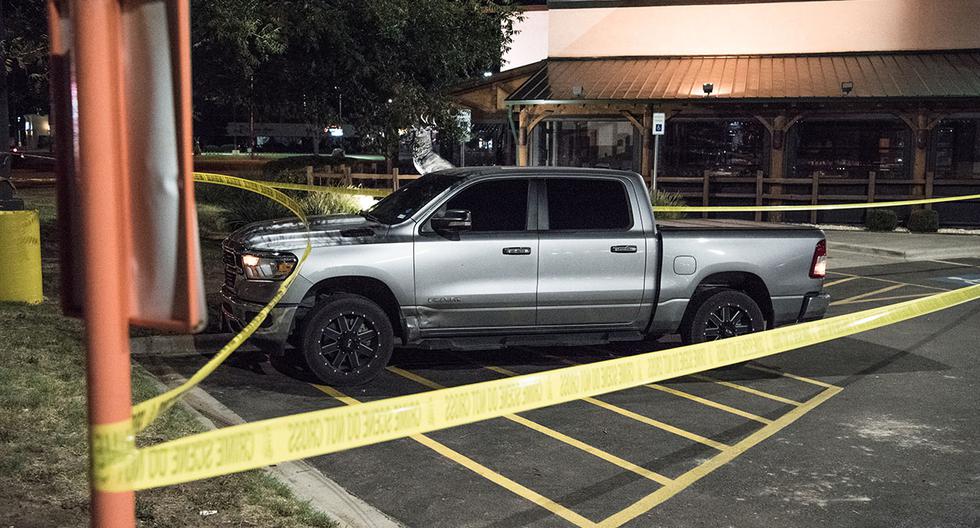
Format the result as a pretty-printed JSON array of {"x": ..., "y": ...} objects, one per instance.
[
  {"x": 722, "y": 314},
  {"x": 347, "y": 340}
]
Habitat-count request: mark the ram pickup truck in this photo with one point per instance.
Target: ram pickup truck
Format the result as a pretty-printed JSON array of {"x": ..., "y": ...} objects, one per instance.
[{"x": 479, "y": 258}]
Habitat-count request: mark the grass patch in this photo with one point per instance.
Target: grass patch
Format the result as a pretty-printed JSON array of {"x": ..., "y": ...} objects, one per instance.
[{"x": 43, "y": 431}]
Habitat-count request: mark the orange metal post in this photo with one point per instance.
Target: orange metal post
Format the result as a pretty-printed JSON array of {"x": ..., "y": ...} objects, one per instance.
[{"x": 101, "y": 192}]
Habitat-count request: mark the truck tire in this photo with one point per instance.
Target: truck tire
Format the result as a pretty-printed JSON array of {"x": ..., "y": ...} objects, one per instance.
[
  {"x": 347, "y": 340},
  {"x": 719, "y": 314}
]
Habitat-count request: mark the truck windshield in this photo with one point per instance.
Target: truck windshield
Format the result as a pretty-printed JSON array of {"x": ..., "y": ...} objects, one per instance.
[{"x": 404, "y": 202}]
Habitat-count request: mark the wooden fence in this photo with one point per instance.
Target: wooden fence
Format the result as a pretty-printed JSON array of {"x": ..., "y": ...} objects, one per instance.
[{"x": 711, "y": 187}]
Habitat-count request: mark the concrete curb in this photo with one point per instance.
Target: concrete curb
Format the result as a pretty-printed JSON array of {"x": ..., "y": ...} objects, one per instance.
[
  {"x": 176, "y": 345},
  {"x": 912, "y": 254},
  {"x": 305, "y": 481}
]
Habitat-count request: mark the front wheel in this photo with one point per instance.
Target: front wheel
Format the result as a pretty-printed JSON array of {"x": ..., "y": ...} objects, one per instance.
[
  {"x": 347, "y": 340},
  {"x": 726, "y": 313}
]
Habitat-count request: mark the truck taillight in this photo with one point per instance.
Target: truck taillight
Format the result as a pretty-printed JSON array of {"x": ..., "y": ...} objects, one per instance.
[{"x": 818, "y": 268}]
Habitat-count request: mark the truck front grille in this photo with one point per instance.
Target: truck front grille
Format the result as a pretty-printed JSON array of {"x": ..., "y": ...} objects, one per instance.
[{"x": 230, "y": 260}]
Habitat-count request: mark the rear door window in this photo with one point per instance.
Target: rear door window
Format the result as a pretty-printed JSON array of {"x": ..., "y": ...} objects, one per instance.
[{"x": 588, "y": 204}]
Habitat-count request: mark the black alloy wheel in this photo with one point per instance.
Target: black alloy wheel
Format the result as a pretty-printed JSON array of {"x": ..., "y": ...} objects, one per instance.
[
  {"x": 720, "y": 314},
  {"x": 727, "y": 321},
  {"x": 347, "y": 340}
]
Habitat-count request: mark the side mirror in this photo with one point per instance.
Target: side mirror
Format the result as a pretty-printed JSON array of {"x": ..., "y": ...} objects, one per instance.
[{"x": 452, "y": 222}]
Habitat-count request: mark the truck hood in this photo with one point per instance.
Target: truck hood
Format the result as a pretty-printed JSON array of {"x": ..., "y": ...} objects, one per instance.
[{"x": 290, "y": 234}]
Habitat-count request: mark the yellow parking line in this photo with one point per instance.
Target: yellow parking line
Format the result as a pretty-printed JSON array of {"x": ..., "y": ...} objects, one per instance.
[
  {"x": 892, "y": 298},
  {"x": 658, "y": 424},
  {"x": 709, "y": 403},
  {"x": 840, "y": 281},
  {"x": 811, "y": 381},
  {"x": 594, "y": 451},
  {"x": 879, "y": 279},
  {"x": 656, "y": 498},
  {"x": 481, "y": 470},
  {"x": 634, "y": 416},
  {"x": 749, "y": 390},
  {"x": 868, "y": 294}
]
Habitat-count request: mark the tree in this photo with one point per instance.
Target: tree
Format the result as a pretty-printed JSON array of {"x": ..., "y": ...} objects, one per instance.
[
  {"x": 24, "y": 57},
  {"x": 389, "y": 63}
]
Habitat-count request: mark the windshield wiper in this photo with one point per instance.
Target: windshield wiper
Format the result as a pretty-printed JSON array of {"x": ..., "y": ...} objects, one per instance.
[{"x": 370, "y": 216}]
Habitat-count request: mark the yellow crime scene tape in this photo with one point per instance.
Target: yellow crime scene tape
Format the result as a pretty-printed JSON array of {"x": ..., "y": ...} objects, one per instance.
[
  {"x": 146, "y": 412},
  {"x": 337, "y": 190},
  {"x": 119, "y": 466},
  {"x": 272, "y": 441},
  {"x": 811, "y": 207}
]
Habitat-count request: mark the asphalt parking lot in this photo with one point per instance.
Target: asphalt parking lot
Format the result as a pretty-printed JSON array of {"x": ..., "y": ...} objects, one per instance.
[{"x": 878, "y": 429}]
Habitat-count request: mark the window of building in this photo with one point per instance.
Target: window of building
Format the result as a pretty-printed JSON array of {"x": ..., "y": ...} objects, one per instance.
[
  {"x": 583, "y": 204},
  {"x": 850, "y": 149},
  {"x": 726, "y": 147},
  {"x": 499, "y": 205},
  {"x": 956, "y": 149},
  {"x": 610, "y": 144}
]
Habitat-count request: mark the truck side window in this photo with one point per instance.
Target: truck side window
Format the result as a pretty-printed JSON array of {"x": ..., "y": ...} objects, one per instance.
[
  {"x": 582, "y": 204},
  {"x": 499, "y": 205}
]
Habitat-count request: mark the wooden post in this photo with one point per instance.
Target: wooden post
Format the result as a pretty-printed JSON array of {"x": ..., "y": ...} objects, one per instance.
[
  {"x": 394, "y": 179},
  {"x": 777, "y": 163},
  {"x": 647, "y": 133},
  {"x": 522, "y": 149},
  {"x": 930, "y": 180},
  {"x": 921, "y": 133},
  {"x": 348, "y": 181},
  {"x": 705, "y": 191},
  {"x": 309, "y": 174},
  {"x": 814, "y": 194},
  {"x": 759, "y": 189},
  {"x": 871, "y": 186}
]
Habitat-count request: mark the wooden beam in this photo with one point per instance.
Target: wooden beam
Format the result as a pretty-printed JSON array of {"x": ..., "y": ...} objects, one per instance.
[
  {"x": 629, "y": 117},
  {"x": 537, "y": 119}
]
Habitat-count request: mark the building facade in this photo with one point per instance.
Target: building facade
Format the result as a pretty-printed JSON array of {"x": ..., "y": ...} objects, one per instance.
[{"x": 793, "y": 102}]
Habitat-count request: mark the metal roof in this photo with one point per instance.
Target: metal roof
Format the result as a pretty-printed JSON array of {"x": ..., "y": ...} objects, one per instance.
[{"x": 923, "y": 74}]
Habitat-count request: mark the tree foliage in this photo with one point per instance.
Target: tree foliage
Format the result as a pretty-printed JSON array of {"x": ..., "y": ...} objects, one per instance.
[
  {"x": 388, "y": 63},
  {"x": 381, "y": 65}
]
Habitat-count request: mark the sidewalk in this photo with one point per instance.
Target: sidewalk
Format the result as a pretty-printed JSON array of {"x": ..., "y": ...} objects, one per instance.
[{"x": 905, "y": 246}]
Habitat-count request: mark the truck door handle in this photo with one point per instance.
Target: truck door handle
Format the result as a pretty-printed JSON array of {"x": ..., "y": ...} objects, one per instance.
[
  {"x": 517, "y": 251},
  {"x": 623, "y": 249}
]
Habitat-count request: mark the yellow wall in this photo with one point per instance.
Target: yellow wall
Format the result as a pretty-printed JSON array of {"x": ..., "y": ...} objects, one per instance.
[{"x": 785, "y": 27}]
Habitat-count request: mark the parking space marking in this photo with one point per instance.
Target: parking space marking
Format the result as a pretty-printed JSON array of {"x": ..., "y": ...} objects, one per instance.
[
  {"x": 811, "y": 381},
  {"x": 886, "y": 289},
  {"x": 890, "y": 298},
  {"x": 709, "y": 403},
  {"x": 879, "y": 279},
  {"x": 480, "y": 469},
  {"x": 682, "y": 394},
  {"x": 594, "y": 451},
  {"x": 680, "y": 483},
  {"x": 840, "y": 281},
  {"x": 749, "y": 390},
  {"x": 634, "y": 416}
]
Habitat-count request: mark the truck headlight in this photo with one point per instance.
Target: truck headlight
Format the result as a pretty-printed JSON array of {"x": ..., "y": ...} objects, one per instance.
[{"x": 268, "y": 267}]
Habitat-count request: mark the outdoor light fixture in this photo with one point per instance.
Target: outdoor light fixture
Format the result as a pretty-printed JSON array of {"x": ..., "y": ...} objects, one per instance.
[
  {"x": 846, "y": 87},
  {"x": 578, "y": 90},
  {"x": 487, "y": 74},
  {"x": 707, "y": 88}
]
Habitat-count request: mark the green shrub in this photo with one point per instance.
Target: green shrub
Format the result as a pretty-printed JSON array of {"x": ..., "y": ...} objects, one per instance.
[
  {"x": 324, "y": 203},
  {"x": 664, "y": 198},
  {"x": 881, "y": 220},
  {"x": 292, "y": 169},
  {"x": 924, "y": 221}
]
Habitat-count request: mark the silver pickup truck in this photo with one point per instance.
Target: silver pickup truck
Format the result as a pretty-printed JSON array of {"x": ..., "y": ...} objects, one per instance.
[{"x": 479, "y": 258}]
